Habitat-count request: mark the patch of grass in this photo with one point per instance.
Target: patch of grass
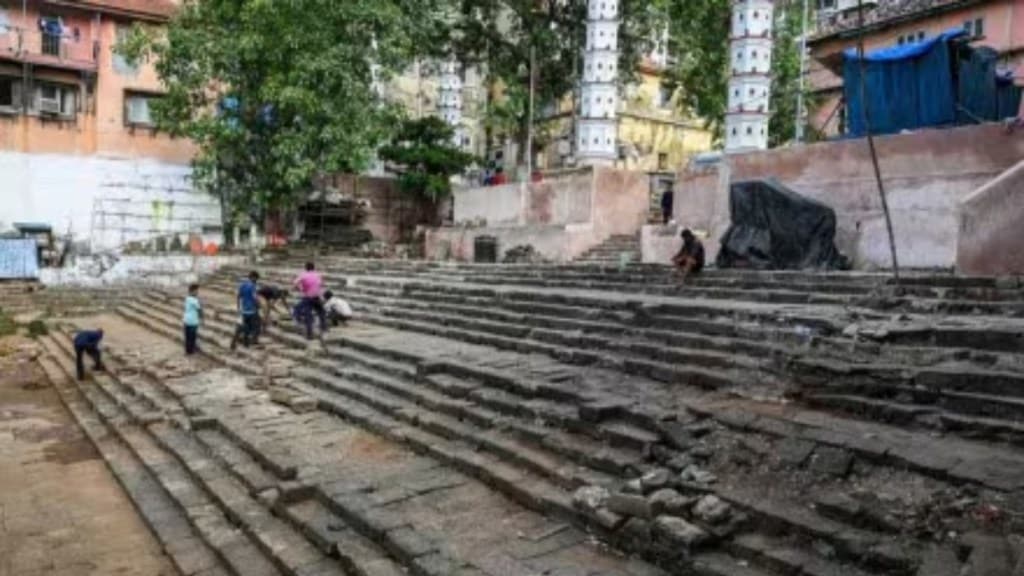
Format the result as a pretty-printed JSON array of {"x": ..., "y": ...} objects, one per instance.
[
  {"x": 8, "y": 327},
  {"x": 37, "y": 328}
]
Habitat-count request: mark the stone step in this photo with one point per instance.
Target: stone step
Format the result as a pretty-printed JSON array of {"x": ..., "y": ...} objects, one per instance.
[
  {"x": 183, "y": 544},
  {"x": 288, "y": 550},
  {"x": 234, "y": 548},
  {"x": 394, "y": 396}
]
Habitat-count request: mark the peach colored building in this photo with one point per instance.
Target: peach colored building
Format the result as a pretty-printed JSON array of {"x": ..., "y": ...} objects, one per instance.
[
  {"x": 78, "y": 147},
  {"x": 63, "y": 90},
  {"x": 998, "y": 24}
]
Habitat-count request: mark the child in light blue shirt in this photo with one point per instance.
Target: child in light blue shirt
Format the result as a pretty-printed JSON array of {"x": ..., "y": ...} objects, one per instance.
[{"x": 192, "y": 317}]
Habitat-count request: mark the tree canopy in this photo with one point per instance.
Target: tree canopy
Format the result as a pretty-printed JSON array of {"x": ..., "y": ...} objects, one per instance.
[
  {"x": 423, "y": 154},
  {"x": 498, "y": 35},
  {"x": 274, "y": 93},
  {"x": 699, "y": 33}
]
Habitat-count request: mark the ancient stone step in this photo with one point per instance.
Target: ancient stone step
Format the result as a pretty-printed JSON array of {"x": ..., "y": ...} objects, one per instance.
[
  {"x": 182, "y": 543},
  {"x": 234, "y": 548}
]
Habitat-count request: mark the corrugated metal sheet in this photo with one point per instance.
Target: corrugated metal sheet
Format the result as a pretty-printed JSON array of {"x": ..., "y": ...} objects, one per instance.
[{"x": 18, "y": 259}]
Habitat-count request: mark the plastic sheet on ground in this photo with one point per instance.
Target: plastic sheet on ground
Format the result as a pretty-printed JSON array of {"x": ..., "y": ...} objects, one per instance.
[{"x": 775, "y": 228}]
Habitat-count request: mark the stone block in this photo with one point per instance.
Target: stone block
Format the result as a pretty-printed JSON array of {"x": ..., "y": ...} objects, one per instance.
[
  {"x": 590, "y": 498},
  {"x": 407, "y": 542},
  {"x": 635, "y": 534},
  {"x": 833, "y": 461},
  {"x": 655, "y": 480},
  {"x": 668, "y": 501},
  {"x": 711, "y": 509},
  {"x": 630, "y": 505},
  {"x": 794, "y": 451},
  {"x": 674, "y": 532},
  {"x": 697, "y": 475}
]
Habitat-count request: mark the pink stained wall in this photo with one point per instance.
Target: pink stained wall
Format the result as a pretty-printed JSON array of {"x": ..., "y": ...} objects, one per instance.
[
  {"x": 927, "y": 175},
  {"x": 990, "y": 234}
]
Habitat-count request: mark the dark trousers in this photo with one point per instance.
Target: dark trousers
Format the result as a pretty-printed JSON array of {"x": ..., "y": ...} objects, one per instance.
[
  {"x": 250, "y": 329},
  {"x": 191, "y": 340},
  {"x": 94, "y": 353},
  {"x": 308, "y": 307}
]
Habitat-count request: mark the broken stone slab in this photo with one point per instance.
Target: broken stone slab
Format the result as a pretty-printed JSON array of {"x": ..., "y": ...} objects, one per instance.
[
  {"x": 833, "y": 461},
  {"x": 602, "y": 409},
  {"x": 794, "y": 451},
  {"x": 655, "y": 480},
  {"x": 990, "y": 555},
  {"x": 630, "y": 505},
  {"x": 697, "y": 475},
  {"x": 676, "y": 534},
  {"x": 590, "y": 498},
  {"x": 711, "y": 509},
  {"x": 668, "y": 501}
]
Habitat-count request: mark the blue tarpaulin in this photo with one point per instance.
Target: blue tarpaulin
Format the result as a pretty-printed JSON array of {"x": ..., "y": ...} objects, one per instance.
[
  {"x": 18, "y": 259},
  {"x": 935, "y": 82},
  {"x": 908, "y": 86}
]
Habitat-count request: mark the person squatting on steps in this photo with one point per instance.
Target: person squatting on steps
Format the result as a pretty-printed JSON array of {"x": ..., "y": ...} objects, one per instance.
[
  {"x": 88, "y": 342},
  {"x": 249, "y": 310},
  {"x": 338, "y": 310},
  {"x": 191, "y": 318},
  {"x": 310, "y": 286},
  {"x": 690, "y": 258}
]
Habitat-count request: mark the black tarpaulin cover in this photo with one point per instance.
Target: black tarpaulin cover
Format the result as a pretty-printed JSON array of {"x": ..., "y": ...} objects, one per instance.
[{"x": 775, "y": 228}]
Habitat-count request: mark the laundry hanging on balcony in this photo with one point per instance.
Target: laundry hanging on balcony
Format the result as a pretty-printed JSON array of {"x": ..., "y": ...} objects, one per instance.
[{"x": 51, "y": 26}]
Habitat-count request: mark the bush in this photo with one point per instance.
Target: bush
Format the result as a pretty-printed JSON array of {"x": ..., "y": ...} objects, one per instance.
[
  {"x": 37, "y": 328},
  {"x": 7, "y": 325}
]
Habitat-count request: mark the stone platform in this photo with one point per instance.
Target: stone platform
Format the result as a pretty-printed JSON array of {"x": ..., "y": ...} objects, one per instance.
[{"x": 576, "y": 420}]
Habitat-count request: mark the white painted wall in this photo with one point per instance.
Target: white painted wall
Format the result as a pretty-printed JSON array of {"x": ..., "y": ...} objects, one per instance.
[
  {"x": 62, "y": 190},
  {"x": 165, "y": 270}
]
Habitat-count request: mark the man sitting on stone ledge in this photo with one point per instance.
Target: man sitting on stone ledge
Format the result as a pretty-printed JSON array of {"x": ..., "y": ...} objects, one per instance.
[{"x": 690, "y": 258}]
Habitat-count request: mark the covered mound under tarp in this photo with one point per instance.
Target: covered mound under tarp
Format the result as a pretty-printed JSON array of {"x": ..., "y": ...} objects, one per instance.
[{"x": 774, "y": 228}]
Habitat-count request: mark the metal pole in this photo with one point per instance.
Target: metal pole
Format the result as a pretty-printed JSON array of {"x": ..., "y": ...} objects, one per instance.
[
  {"x": 803, "y": 72},
  {"x": 871, "y": 140},
  {"x": 529, "y": 121}
]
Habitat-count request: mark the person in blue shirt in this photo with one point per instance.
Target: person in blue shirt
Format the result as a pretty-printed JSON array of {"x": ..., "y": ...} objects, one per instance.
[
  {"x": 249, "y": 309},
  {"x": 191, "y": 318},
  {"x": 88, "y": 342}
]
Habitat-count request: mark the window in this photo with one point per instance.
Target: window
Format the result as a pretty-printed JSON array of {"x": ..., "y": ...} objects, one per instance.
[
  {"x": 750, "y": 131},
  {"x": 137, "y": 110},
  {"x": 118, "y": 62},
  {"x": 56, "y": 100},
  {"x": 10, "y": 93},
  {"x": 920, "y": 36},
  {"x": 979, "y": 27},
  {"x": 52, "y": 29},
  {"x": 901, "y": 40},
  {"x": 662, "y": 161}
]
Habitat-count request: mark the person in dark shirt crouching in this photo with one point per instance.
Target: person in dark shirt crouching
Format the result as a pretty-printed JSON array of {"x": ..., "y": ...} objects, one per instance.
[
  {"x": 88, "y": 342},
  {"x": 690, "y": 259}
]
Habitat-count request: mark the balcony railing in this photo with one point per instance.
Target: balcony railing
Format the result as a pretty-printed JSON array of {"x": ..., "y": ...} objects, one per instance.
[{"x": 42, "y": 48}]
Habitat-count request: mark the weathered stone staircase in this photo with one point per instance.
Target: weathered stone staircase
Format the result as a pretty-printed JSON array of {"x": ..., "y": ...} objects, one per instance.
[
  {"x": 746, "y": 424},
  {"x": 616, "y": 249}
]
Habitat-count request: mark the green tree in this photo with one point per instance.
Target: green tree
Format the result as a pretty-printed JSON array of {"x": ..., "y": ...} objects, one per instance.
[
  {"x": 498, "y": 35},
  {"x": 275, "y": 93},
  {"x": 699, "y": 34},
  {"x": 423, "y": 154}
]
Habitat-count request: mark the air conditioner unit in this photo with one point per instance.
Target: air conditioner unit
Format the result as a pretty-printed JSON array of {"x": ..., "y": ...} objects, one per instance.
[{"x": 49, "y": 106}]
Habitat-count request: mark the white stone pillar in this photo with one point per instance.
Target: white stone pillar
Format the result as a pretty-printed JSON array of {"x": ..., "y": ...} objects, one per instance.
[
  {"x": 597, "y": 128},
  {"x": 750, "y": 83},
  {"x": 449, "y": 105}
]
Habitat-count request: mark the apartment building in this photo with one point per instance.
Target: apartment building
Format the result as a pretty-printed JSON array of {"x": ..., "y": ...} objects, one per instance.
[
  {"x": 997, "y": 24},
  {"x": 78, "y": 148}
]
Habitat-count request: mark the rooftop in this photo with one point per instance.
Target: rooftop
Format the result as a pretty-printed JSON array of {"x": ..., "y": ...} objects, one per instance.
[
  {"x": 141, "y": 9},
  {"x": 886, "y": 13}
]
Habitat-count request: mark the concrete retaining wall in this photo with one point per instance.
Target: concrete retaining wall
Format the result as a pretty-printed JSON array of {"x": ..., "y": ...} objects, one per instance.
[
  {"x": 142, "y": 198},
  {"x": 165, "y": 270},
  {"x": 991, "y": 231},
  {"x": 561, "y": 218},
  {"x": 927, "y": 174}
]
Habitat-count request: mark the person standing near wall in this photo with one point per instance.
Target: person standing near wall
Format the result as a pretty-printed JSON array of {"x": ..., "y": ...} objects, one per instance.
[{"x": 191, "y": 319}]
